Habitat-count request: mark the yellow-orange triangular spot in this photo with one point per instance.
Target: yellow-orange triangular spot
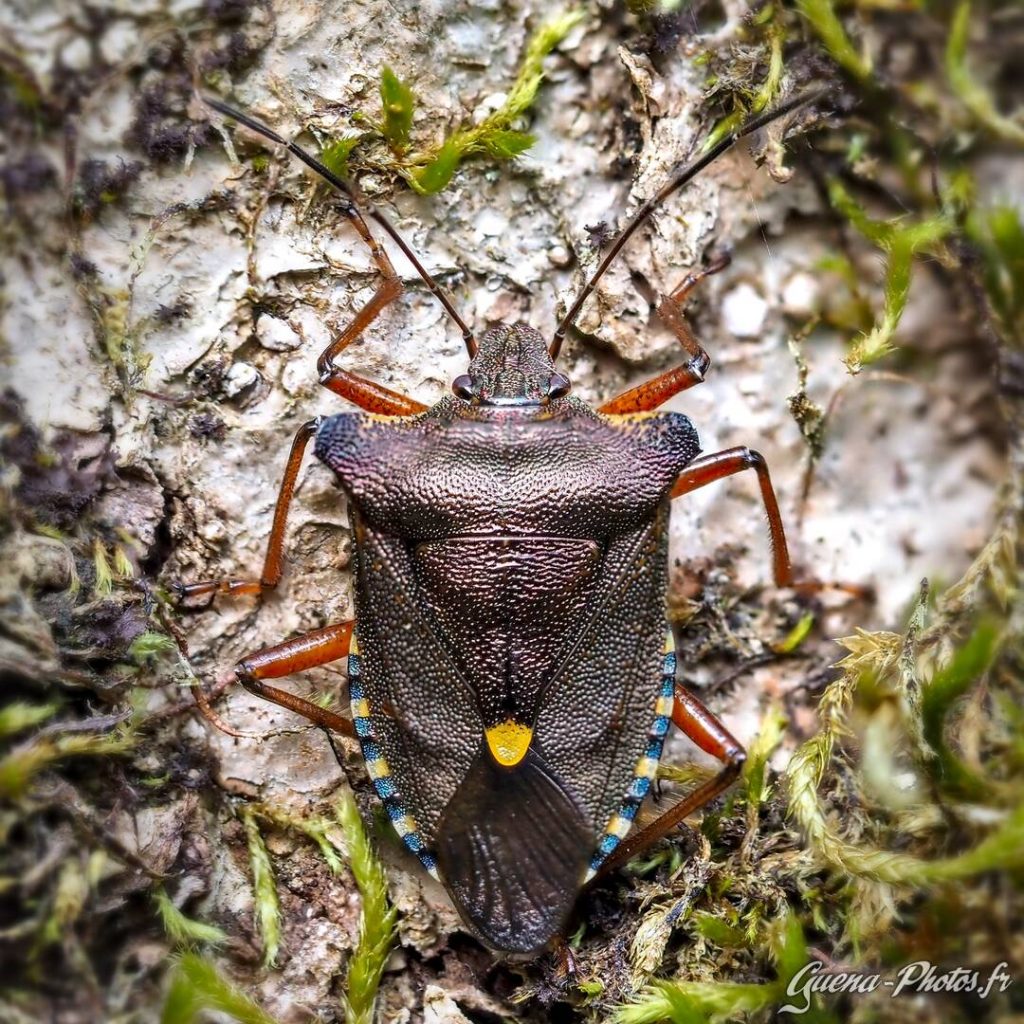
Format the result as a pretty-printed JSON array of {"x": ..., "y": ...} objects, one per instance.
[{"x": 509, "y": 741}]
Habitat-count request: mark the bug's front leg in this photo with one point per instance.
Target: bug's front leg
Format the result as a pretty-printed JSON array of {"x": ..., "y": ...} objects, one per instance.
[
  {"x": 362, "y": 391},
  {"x": 699, "y": 724},
  {"x": 359, "y": 390},
  {"x": 652, "y": 393}
]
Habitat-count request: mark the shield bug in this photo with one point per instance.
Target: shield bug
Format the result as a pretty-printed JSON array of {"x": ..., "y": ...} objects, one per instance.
[{"x": 511, "y": 667}]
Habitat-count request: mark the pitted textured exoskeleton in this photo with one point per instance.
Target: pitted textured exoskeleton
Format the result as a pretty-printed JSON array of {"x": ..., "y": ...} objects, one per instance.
[{"x": 511, "y": 667}]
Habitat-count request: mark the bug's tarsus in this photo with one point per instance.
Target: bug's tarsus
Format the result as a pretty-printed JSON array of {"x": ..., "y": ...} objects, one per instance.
[
  {"x": 721, "y": 261},
  {"x": 206, "y": 710},
  {"x": 203, "y": 700},
  {"x": 676, "y": 182},
  {"x": 351, "y": 211},
  {"x": 652, "y": 393}
]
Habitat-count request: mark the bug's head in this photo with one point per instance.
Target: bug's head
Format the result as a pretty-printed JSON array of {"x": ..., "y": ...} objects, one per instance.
[{"x": 511, "y": 367}]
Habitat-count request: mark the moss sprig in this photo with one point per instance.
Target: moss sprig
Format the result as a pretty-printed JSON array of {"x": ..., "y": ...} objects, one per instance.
[
  {"x": 998, "y": 234},
  {"x": 975, "y": 97},
  {"x": 751, "y": 101},
  {"x": 197, "y": 988},
  {"x": 497, "y": 135},
  {"x": 19, "y": 716},
  {"x": 267, "y": 908},
  {"x": 21, "y": 765},
  {"x": 377, "y": 925},
  {"x": 822, "y": 17},
  {"x": 696, "y": 1002},
  {"x": 318, "y": 828},
  {"x": 901, "y": 240},
  {"x": 183, "y": 930}
]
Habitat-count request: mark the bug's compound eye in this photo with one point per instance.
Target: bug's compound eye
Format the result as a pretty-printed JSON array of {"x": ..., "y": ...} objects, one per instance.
[
  {"x": 558, "y": 385},
  {"x": 462, "y": 387}
]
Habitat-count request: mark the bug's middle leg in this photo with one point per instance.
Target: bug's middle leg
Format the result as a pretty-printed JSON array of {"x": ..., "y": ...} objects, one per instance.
[
  {"x": 273, "y": 561},
  {"x": 709, "y": 468},
  {"x": 654, "y": 392},
  {"x": 698, "y": 723}
]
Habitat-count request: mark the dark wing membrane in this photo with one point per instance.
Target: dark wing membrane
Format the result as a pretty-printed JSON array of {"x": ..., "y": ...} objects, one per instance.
[
  {"x": 423, "y": 716},
  {"x": 598, "y": 708},
  {"x": 513, "y": 848}
]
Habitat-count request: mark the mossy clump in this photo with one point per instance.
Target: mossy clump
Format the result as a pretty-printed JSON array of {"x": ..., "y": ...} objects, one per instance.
[{"x": 429, "y": 169}]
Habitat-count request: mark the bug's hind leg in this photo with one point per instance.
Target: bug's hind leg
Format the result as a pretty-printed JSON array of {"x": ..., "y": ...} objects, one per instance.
[
  {"x": 701, "y": 726},
  {"x": 319, "y": 647},
  {"x": 652, "y": 393},
  {"x": 273, "y": 562}
]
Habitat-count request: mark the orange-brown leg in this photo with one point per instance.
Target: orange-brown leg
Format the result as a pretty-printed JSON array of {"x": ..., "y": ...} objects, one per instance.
[
  {"x": 359, "y": 390},
  {"x": 652, "y": 393},
  {"x": 709, "y": 468},
  {"x": 273, "y": 561},
  {"x": 701, "y": 726},
  {"x": 320, "y": 647}
]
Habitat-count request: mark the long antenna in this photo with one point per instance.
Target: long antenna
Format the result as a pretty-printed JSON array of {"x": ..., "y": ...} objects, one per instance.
[
  {"x": 352, "y": 211},
  {"x": 676, "y": 182}
]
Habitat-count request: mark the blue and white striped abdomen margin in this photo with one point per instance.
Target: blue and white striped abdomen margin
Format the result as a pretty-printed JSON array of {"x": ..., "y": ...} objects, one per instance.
[
  {"x": 377, "y": 767},
  {"x": 646, "y": 769}
]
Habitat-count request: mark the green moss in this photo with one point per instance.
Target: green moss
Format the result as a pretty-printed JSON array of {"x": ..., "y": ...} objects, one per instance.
[
  {"x": 182, "y": 930},
  {"x": 822, "y": 17},
  {"x": 901, "y": 240},
  {"x": 376, "y": 925},
  {"x": 397, "y": 99},
  {"x": 998, "y": 235},
  {"x": 974, "y": 96},
  {"x": 377, "y": 929},
  {"x": 336, "y": 152},
  {"x": 150, "y": 645},
  {"x": 748, "y": 99},
  {"x": 967, "y": 666},
  {"x": 690, "y": 1002},
  {"x": 19, "y": 767},
  {"x": 197, "y": 989},
  {"x": 496, "y": 135},
  {"x": 19, "y": 716},
  {"x": 320, "y": 829},
  {"x": 267, "y": 906},
  {"x": 103, "y": 573}
]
